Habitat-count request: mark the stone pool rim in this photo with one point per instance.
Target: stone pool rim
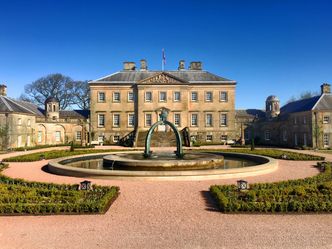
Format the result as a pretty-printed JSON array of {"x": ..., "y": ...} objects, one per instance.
[{"x": 267, "y": 165}]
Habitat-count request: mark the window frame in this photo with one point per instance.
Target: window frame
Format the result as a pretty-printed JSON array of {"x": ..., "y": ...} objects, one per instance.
[
  {"x": 133, "y": 120},
  {"x": 116, "y": 119},
  {"x": 226, "y": 96},
  {"x": 145, "y": 94},
  {"x": 99, "y": 100},
  {"x": 78, "y": 138},
  {"x": 267, "y": 135},
  {"x": 207, "y": 93},
  {"x": 57, "y": 138},
  {"x": 210, "y": 119},
  {"x": 326, "y": 119},
  {"x": 191, "y": 96},
  {"x": 174, "y": 98},
  {"x": 114, "y": 99},
  {"x": 209, "y": 140},
  {"x": 179, "y": 119},
  {"x": 191, "y": 119},
  {"x": 130, "y": 99},
  {"x": 99, "y": 123},
  {"x": 223, "y": 124},
  {"x": 146, "y": 119},
  {"x": 160, "y": 94}
]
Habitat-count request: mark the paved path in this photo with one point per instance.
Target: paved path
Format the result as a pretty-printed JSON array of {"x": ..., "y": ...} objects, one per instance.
[{"x": 166, "y": 215}]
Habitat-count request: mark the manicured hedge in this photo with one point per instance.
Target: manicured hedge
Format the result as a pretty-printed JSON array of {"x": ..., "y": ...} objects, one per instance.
[
  {"x": 22, "y": 197},
  {"x": 51, "y": 155},
  {"x": 37, "y": 147},
  {"x": 312, "y": 194},
  {"x": 278, "y": 154}
]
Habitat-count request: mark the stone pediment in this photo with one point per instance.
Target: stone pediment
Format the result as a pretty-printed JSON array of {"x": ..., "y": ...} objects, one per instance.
[{"x": 163, "y": 78}]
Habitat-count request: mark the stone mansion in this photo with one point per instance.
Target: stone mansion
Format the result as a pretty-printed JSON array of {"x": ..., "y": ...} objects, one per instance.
[
  {"x": 130, "y": 101},
  {"x": 125, "y": 104}
]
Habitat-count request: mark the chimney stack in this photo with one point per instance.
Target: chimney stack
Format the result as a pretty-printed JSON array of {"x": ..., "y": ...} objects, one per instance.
[
  {"x": 144, "y": 65},
  {"x": 3, "y": 90},
  {"x": 181, "y": 65},
  {"x": 325, "y": 88},
  {"x": 195, "y": 65},
  {"x": 129, "y": 66}
]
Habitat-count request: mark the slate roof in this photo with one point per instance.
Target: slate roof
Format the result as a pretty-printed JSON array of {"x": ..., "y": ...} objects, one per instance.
[
  {"x": 325, "y": 102},
  {"x": 9, "y": 105},
  {"x": 186, "y": 75},
  {"x": 300, "y": 105},
  {"x": 75, "y": 114},
  {"x": 250, "y": 113}
]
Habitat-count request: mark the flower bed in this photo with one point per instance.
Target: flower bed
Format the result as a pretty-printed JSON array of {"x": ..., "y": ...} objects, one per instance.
[
  {"x": 312, "y": 194},
  {"x": 22, "y": 197}
]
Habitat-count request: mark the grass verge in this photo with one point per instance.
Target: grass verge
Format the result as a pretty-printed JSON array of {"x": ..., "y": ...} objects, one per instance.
[
  {"x": 277, "y": 154},
  {"x": 51, "y": 155}
]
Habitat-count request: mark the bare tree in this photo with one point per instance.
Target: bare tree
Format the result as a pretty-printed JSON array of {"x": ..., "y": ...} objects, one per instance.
[
  {"x": 303, "y": 95},
  {"x": 81, "y": 94},
  {"x": 67, "y": 91}
]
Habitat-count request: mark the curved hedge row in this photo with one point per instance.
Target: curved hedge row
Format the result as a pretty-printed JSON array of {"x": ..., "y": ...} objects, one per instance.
[
  {"x": 312, "y": 194},
  {"x": 22, "y": 197},
  {"x": 277, "y": 154},
  {"x": 51, "y": 155}
]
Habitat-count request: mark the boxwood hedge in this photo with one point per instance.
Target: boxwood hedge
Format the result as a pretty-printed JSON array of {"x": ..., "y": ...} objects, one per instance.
[
  {"x": 312, "y": 194},
  {"x": 277, "y": 154},
  {"x": 18, "y": 196},
  {"x": 51, "y": 155}
]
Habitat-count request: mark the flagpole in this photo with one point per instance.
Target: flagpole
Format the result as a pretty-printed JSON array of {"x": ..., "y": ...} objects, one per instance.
[{"x": 163, "y": 59}]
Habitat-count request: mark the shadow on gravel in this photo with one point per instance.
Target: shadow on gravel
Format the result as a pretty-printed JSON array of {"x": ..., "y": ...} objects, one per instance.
[
  {"x": 45, "y": 169},
  {"x": 209, "y": 201}
]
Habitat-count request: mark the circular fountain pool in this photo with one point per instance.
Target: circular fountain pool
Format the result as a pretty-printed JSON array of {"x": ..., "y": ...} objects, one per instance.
[{"x": 132, "y": 165}]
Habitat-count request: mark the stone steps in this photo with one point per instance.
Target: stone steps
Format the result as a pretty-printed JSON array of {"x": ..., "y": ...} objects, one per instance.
[{"x": 159, "y": 139}]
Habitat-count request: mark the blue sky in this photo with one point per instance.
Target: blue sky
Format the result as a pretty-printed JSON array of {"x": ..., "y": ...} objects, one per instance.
[{"x": 269, "y": 47}]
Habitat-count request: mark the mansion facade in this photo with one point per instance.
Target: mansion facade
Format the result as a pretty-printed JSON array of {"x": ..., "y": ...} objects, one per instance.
[{"x": 127, "y": 103}]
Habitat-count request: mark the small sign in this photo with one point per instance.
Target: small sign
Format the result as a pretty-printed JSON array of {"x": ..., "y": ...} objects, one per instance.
[
  {"x": 242, "y": 185},
  {"x": 85, "y": 185}
]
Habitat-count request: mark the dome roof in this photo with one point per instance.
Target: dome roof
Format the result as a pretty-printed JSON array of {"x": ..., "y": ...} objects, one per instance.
[
  {"x": 51, "y": 99},
  {"x": 272, "y": 98}
]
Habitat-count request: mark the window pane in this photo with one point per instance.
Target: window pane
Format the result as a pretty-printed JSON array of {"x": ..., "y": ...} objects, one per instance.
[
  {"x": 116, "y": 119},
  {"x": 78, "y": 135},
  {"x": 177, "y": 119},
  {"x": 194, "y": 96},
  {"x": 101, "y": 120},
  {"x": 208, "y": 96},
  {"x": 148, "y": 96},
  {"x": 101, "y": 97},
  {"x": 177, "y": 96},
  {"x": 223, "y": 119},
  {"x": 116, "y": 97},
  {"x": 131, "y": 120},
  {"x": 208, "y": 119},
  {"x": 223, "y": 96},
  {"x": 130, "y": 96},
  {"x": 162, "y": 96},
  {"x": 148, "y": 119},
  {"x": 194, "y": 119}
]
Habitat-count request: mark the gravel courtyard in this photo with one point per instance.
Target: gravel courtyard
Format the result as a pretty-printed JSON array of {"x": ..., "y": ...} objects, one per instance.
[{"x": 166, "y": 214}]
